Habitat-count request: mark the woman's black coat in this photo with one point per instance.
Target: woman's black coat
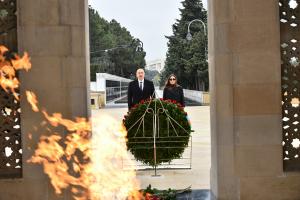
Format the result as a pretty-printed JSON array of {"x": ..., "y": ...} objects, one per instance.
[{"x": 174, "y": 93}]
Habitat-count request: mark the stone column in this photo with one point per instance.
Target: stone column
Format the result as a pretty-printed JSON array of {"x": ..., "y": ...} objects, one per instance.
[
  {"x": 55, "y": 34},
  {"x": 245, "y": 80},
  {"x": 223, "y": 180}
]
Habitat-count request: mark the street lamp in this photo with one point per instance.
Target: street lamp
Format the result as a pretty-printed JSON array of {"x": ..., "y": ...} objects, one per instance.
[
  {"x": 189, "y": 35},
  {"x": 136, "y": 43}
]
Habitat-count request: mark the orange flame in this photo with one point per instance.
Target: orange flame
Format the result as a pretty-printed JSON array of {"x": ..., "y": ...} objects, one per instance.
[
  {"x": 89, "y": 164},
  {"x": 109, "y": 153},
  {"x": 8, "y": 79},
  {"x": 22, "y": 63},
  {"x": 96, "y": 161},
  {"x": 31, "y": 98}
]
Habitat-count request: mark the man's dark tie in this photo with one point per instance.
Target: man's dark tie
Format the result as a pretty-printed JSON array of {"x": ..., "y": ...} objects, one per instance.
[{"x": 141, "y": 85}]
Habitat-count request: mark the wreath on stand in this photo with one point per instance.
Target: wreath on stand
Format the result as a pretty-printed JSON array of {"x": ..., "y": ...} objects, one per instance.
[{"x": 160, "y": 123}]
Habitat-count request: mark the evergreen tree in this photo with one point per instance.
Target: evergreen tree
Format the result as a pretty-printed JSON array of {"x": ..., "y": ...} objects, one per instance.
[
  {"x": 187, "y": 59},
  {"x": 109, "y": 35}
]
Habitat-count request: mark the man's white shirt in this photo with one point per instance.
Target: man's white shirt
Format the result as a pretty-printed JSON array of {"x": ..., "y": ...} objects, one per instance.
[{"x": 141, "y": 81}]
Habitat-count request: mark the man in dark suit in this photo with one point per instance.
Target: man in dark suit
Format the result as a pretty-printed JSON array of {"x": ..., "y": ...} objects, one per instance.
[{"x": 140, "y": 89}]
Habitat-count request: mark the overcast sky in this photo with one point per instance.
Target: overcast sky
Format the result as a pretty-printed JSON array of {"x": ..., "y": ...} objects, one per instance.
[{"x": 147, "y": 20}]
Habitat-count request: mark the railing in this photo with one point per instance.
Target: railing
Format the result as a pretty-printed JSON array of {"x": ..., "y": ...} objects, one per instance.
[
  {"x": 113, "y": 93},
  {"x": 116, "y": 93},
  {"x": 197, "y": 96}
]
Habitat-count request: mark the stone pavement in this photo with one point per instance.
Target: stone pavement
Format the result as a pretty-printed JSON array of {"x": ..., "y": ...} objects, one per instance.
[
  {"x": 198, "y": 176},
  {"x": 195, "y": 195}
]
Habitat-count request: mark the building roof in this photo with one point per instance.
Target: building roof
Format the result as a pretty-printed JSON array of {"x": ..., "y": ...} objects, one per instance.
[{"x": 112, "y": 77}]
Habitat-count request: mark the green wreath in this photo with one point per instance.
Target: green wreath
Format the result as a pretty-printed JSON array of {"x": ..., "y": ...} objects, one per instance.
[{"x": 172, "y": 132}]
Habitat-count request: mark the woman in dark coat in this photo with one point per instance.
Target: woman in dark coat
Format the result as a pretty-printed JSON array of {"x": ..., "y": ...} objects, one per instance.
[{"x": 173, "y": 91}]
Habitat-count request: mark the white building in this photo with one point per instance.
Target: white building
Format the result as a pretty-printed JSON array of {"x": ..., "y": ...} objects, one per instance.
[
  {"x": 157, "y": 65},
  {"x": 107, "y": 88}
]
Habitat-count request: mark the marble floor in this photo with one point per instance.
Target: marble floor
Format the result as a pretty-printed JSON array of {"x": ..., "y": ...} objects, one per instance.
[{"x": 198, "y": 177}]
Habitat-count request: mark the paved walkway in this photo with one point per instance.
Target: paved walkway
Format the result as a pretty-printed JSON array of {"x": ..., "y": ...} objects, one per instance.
[{"x": 198, "y": 176}]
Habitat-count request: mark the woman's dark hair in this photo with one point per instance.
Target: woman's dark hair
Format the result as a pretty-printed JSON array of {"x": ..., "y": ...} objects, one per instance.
[{"x": 168, "y": 84}]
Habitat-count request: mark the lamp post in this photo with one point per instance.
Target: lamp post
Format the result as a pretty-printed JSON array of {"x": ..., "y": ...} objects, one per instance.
[
  {"x": 135, "y": 43},
  {"x": 189, "y": 37}
]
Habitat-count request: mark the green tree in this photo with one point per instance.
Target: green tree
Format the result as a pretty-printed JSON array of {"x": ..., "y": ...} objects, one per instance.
[
  {"x": 187, "y": 59},
  {"x": 122, "y": 58}
]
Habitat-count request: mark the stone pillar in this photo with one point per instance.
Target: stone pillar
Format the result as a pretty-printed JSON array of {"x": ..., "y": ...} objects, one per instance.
[
  {"x": 55, "y": 34},
  {"x": 223, "y": 180},
  {"x": 245, "y": 80}
]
